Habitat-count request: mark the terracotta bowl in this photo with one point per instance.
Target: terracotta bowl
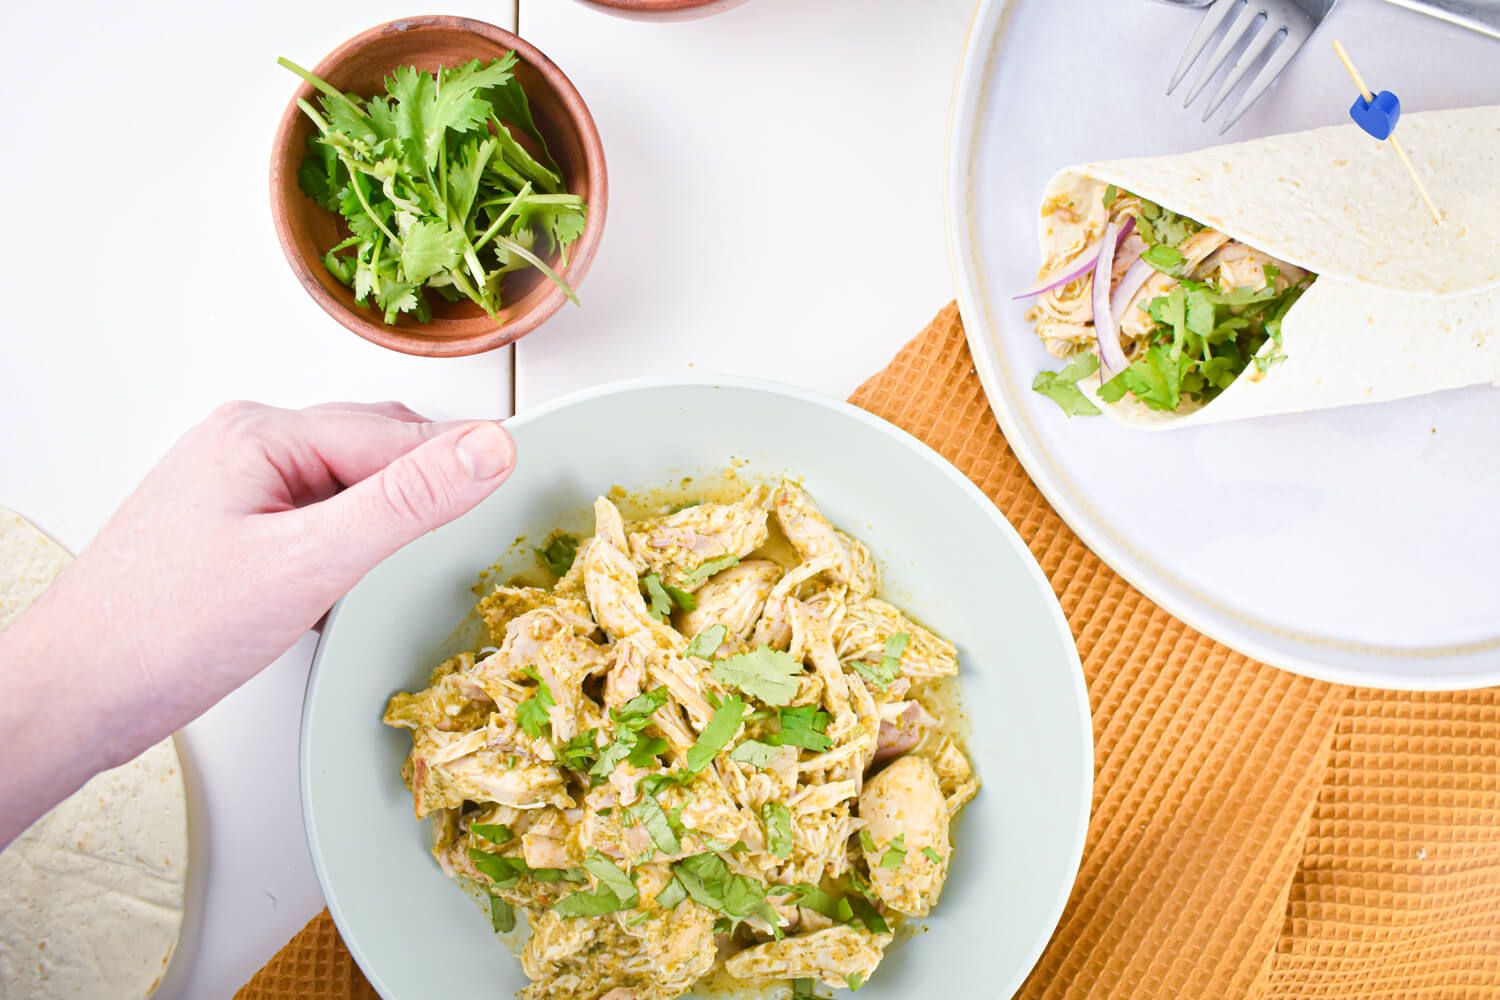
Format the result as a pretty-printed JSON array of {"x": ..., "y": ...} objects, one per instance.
[
  {"x": 307, "y": 230},
  {"x": 662, "y": 10}
]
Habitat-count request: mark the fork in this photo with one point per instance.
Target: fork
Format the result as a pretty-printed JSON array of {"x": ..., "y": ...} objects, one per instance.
[{"x": 1262, "y": 22}]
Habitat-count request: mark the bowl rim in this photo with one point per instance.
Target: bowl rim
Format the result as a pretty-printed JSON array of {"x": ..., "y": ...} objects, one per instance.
[
  {"x": 498, "y": 335},
  {"x": 842, "y": 408},
  {"x": 661, "y": 6}
]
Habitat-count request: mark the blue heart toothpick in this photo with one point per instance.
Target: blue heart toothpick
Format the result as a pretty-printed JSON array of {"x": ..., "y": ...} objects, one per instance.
[{"x": 1378, "y": 114}]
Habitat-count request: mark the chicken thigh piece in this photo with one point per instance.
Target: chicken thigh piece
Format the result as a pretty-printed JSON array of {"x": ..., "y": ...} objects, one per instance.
[
  {"x": 813, "y": 536},
  {"x": 832, "y": 955},
  {"x": 905, "y": 814}
]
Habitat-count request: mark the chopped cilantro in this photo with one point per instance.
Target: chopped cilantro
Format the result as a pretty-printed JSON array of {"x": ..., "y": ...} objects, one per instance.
[
  {"x": 580, "y": 752},
  {"x": 495, "y": 833},
  {"x": 889, "y": 668},
  {"x": 708, "y": 569},
  {"x": 650, "y": 815},
  {"x": 660, "y": 601},
  {"x": 502, "y": 916},
  {"x": 710, "y": 881},
  {"x": 804, "y": 726},
  {"x": 532, "y": 714},
  {"x": 1062, "y": 386},
  {"x": 764, "y": 673},
  {"x": 707, "y": 642},
  {"x": 611, "y": 877},
  {"x": 1160, "y": 225},
  {"x": 630, "y": 718},
  {"x": 1166, "y": 259},
  {"x": 755, "y": 753},
  {"x": 866, "y": 913},
  {"x": 717, "y": 734},
  {"x": 672, "y": 894},
  {"x": 778, "y": 823},
  {"x": 559, "y": 552},
  {"x": 1155, "y": 379},
  {"x": 504, "y": 872},
  {"x": 681, "y": 598},
  {"x": 588, "y": 903}
]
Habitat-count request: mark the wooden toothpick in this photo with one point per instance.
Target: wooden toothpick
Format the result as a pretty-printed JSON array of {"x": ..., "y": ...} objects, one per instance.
[{"x": 1359, "y": 81}]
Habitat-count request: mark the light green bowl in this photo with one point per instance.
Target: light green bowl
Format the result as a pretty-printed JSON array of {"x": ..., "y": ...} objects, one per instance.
[{"x": 947, "y": 555}]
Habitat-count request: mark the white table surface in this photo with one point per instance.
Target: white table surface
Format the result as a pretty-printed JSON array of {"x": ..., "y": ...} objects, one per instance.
[{"x": 776, "y": 180}]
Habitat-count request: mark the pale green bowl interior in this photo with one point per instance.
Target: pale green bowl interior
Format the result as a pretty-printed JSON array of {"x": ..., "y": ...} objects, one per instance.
[{"x": 948, "y": 556}]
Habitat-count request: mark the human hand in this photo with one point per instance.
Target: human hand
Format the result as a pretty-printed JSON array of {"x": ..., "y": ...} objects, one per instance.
[{"x": 239, "y": 540}]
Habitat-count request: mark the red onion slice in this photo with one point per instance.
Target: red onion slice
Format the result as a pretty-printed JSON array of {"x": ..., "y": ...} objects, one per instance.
[
  {"x": 1112, "y": 359},
  {"x": 1075, "y": 269},
  {"x": 1071, "y": 271},
  {"x": 1132, "y": 282}
]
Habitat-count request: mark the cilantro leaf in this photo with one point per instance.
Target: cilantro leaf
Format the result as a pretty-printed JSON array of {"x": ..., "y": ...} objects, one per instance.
[
  {"x": 717, "y": 734},
  {"x": 889, "y": 668},
  {"x": 533, "y": 714},
  {"x": 681, "y": 598},
  {"x": 589, "y": 904},
  {"x": 504, "y": 872},
  {"x": 660, "y": 602},
  {"x": 1062, "y": 386},
  {"x": 708, "y": 569},
  {"x": 895, "y": 853},
  {"x": 429, "y": 248},
  {"x": 1166, "y": 259},
  {"x": 707, "y": 642},
  {"x": 671, "y": 894},
  {"x": 636, "y": 712},
  {"x": 611, "y": 877},
  {"x": 495, "y": 833},
  {"x": 559, "y": 552},
  {"x": 778, "y": 823},
  {"x": 580, "y": 752},
  {"x": 804, "y": 726},
  {"x": 866, "y": 913},
  {"x": 754, "y": 753},
  {"x": 1155, "y": 379},
  {"x": 764, "y": 673},
  {"x": 648, "y": 812},
  {"x": 708, "y": 879},
  {"x": 509, "y": 104},
  {"x": 502, "y": 916}
]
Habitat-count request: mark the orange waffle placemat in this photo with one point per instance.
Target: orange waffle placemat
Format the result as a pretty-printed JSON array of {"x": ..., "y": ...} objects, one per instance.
[{"x": 1254, "y": 833}]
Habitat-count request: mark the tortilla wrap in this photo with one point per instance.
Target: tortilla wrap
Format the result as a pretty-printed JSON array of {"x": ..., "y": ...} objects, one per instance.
[
  {"x": 91, "y": 895},
  {"x": 1400, "y": 306}
]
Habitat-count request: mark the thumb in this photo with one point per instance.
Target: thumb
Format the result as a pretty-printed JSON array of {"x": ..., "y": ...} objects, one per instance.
[{"x": 421, "y": 490}]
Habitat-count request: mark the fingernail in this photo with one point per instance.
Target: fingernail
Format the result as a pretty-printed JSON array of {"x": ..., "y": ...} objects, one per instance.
[{"x": 485, "y": 451}]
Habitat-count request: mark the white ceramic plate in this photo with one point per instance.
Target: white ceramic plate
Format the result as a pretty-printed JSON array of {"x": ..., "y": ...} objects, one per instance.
[
  {"x": 1357, "y": 545},
  {"x": 947, "y": 554}
]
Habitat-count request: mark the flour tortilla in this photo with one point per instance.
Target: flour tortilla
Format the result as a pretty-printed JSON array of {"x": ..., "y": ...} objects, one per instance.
[
  {"x": 1400, "y": 307},
  {"x": 91, "y": 896}
]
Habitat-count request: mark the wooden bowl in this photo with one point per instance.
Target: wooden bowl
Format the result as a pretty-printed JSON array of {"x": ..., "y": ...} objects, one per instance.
[
  {"x": 307, "y": 230},
  {"x": 662, "y": 10}
]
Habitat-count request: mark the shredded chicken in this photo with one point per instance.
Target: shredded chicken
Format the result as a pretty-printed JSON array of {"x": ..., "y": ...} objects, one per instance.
[{"x": 695, "y": 754}]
